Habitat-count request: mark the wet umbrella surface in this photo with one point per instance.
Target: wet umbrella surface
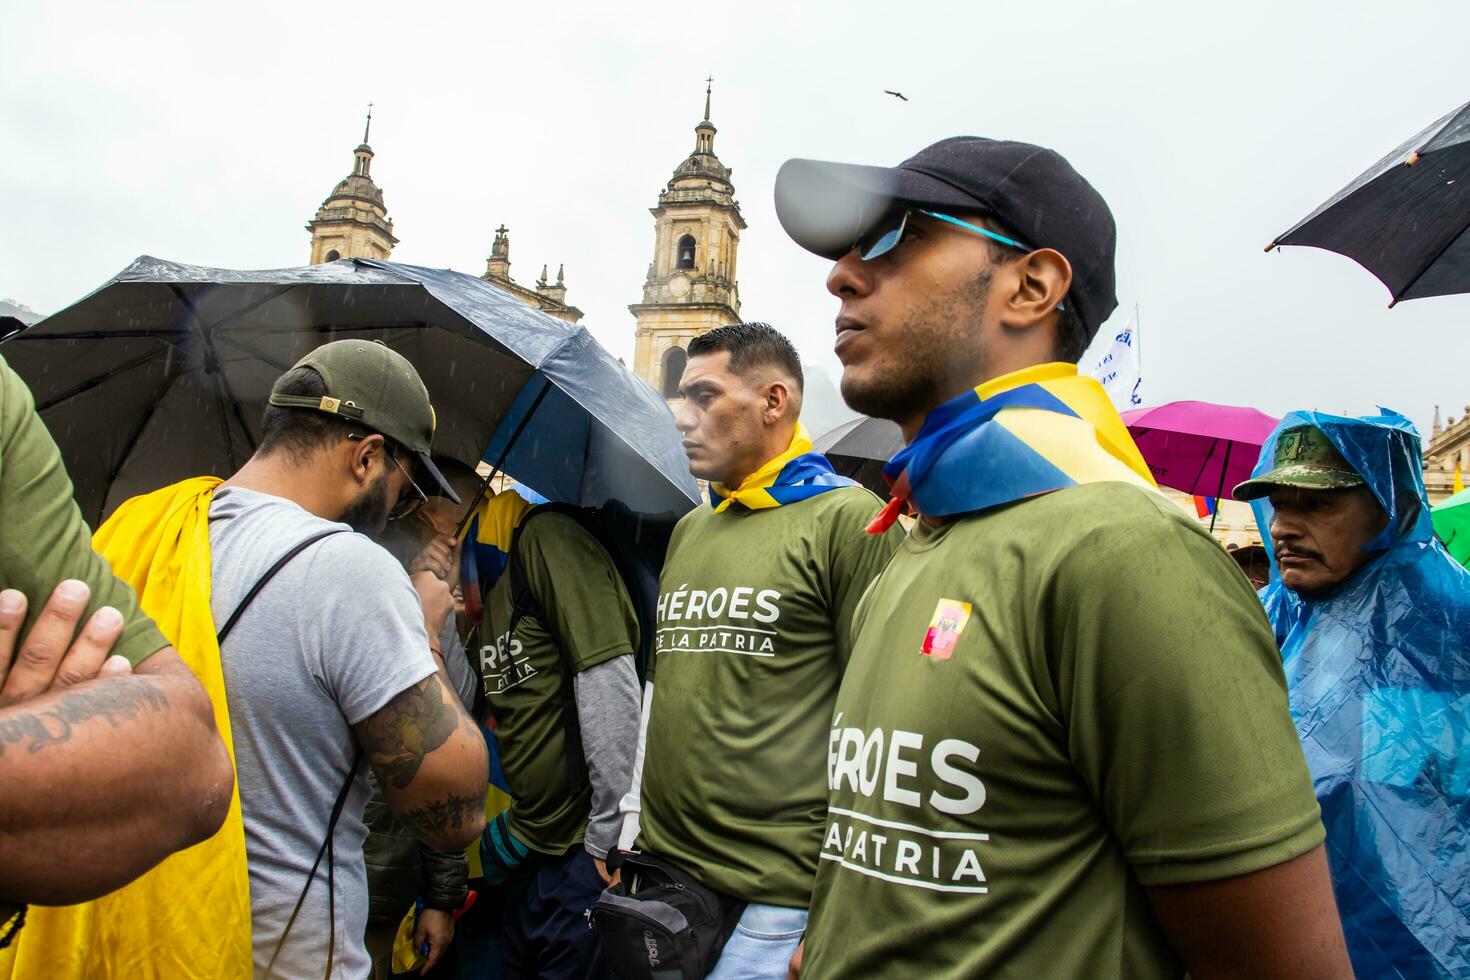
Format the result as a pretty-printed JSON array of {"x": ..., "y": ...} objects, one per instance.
[
  {"x": 163, "y": 372},
  {"x": 1406, "y": 219}
]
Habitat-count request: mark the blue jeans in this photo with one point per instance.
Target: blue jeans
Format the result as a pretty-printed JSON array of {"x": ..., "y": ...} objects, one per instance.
[{"x": 760, "y": 948}]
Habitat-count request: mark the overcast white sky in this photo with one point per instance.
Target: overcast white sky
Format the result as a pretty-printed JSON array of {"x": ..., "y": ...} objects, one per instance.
[{"x": 210, "y": 133}]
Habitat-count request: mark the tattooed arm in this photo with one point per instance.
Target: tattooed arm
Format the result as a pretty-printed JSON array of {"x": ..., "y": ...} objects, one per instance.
[
  {"x": 431, "y": 762},
  {"x": 101, "y": 775}
]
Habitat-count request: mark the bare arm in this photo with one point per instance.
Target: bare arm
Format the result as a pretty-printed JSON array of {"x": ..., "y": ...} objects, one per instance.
[
  {"x": 104, "y": 776},
  {"x": 431, "y": 762},
  {"x": 1280, "y": 922}
]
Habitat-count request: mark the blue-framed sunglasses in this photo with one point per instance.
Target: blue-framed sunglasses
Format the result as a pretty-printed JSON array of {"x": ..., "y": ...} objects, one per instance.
[{"x": 870, "y": 247}]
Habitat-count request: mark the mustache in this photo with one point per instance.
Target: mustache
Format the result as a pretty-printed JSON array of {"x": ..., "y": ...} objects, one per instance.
[{"x": 1285, "y": 551}]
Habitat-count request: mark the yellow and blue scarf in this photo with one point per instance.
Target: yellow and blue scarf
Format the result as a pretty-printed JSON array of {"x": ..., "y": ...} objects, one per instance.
[
  {"x": 486, "y": 548},
  {"x": 796, "y": 474},
  {"x": 1025, "y": 433}
]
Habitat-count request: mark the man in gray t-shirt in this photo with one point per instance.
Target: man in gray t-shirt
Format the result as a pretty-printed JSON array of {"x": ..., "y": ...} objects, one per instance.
[
  {"x": 298, "y": 675},
  {"x": 332, "y": 660}
]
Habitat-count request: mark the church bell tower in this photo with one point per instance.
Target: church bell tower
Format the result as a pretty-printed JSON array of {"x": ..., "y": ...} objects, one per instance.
[
  {"x": 691, "y": 287},
  {"x": 353, "y": 221}
]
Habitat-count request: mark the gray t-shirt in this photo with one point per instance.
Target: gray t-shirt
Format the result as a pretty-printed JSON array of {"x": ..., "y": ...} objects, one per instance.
[{"x": 334, "y": 637}]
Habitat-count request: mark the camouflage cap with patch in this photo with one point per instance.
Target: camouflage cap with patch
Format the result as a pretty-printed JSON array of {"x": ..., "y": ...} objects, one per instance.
[
  {"x": 378, "y": 388},
  {"x": 1306, "y": 460}
]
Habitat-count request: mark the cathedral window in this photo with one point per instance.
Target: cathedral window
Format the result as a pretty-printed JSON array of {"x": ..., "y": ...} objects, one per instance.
[
  {"x": 686, "y": 253},
  {"x": 675, "y": 358},
  {"x": 333, "y": 255}
]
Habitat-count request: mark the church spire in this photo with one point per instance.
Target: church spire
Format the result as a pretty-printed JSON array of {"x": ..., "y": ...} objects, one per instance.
[
  {"x": 369, "y": 127},
  {"x": 704, "y": 133}
]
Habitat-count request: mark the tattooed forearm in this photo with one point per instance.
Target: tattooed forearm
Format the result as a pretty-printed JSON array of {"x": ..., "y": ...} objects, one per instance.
[
  {"x": 442, "y": 816},
  {"x": 408, "y": 728},
  {"x": 116, "y": 702}
]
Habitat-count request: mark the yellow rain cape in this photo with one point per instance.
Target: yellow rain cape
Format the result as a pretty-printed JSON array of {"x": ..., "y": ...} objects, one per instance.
[{"x": 188, "y": 918}]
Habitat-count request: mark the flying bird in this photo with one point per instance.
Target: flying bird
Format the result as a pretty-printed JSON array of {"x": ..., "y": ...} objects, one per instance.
[{"x": 896, "y": 95}]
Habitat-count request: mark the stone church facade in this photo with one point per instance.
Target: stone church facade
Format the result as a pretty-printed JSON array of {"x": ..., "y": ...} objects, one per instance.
[{"x": 353, "y": 223}]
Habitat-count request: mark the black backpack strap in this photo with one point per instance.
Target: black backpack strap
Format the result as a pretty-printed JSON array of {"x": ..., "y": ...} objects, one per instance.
[
  {"x": 270, "y": 573},
  {"x": 341, "y": 801},
  {"x": 523, "y": 602},
  {"x": 329, "y": 851}
]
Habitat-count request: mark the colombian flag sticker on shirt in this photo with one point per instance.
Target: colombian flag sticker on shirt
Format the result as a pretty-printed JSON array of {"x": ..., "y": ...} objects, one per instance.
[{"x": 948, "y": 622}]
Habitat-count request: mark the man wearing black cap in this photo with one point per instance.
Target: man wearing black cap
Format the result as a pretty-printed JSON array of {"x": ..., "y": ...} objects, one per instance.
[
  {"x": 1061, "y": 746},
  {"x": 331, "y": 668}
]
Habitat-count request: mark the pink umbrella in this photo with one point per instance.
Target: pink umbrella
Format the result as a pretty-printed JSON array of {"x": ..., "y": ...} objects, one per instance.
[{"x": 1198, "y": 447}]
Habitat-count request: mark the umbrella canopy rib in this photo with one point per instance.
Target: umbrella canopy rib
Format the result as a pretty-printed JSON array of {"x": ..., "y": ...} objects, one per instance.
[
  {"x": 1427, "y": 266},
  {"x": 225, "y": 399},
  {"x": 91, "y": 383}
]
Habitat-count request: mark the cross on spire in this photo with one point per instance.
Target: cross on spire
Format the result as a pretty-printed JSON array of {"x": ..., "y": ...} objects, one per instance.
[
  {"x": 708, "y": 84},
  {"x": 368, "y": 128}
]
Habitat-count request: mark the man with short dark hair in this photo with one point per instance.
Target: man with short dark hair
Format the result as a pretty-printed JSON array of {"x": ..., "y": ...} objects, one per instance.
[
  {"x": 324, "y": 662},
  {"x": 1061, "y": 747},
  {"x": 1373, "y": 619},
  {"x": 343, "y": 443},
  {"x": 755, "y": 600}
]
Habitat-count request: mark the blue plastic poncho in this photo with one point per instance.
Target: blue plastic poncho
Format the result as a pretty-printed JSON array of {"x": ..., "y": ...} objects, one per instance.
[{"x": 1379, "y": 675}]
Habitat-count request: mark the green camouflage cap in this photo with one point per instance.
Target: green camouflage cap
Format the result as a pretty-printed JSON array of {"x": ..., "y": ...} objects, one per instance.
[
  {"x": 1305, "y": 459},
  {"x": 378, "y": 388}
]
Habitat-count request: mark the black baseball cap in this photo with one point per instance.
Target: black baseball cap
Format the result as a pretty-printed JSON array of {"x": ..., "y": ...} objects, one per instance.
[
  {"x": 379, "y": 389},
  {"x": 1033, "y": 191}
]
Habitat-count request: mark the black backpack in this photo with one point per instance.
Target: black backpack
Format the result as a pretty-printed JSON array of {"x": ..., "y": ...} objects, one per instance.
[{"x": 636, "y": 543}]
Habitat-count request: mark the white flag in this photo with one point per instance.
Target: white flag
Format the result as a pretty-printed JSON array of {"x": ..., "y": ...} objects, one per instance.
[{"x": 1117, "y": 370}]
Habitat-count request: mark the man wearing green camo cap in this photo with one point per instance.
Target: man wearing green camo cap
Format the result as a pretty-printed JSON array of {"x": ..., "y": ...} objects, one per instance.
[{"x": 1324, "y": 514}]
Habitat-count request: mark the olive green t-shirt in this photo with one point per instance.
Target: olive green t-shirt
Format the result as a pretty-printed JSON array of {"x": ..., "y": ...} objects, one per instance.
[
  {"x": 43, "y": 538},
  {"x": 1050, "y": 705},
  {"x": 589, "y": 618},
  {"x": 753, "y": 616}
]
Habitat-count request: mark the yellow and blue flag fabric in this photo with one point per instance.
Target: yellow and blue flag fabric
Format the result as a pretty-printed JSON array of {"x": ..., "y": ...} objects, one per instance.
[
  {"x": 486, "y": 548},
  {"x": 796, "y": 474},
  {"x": 1029, "y": 432},
  {"x": 189, "y": 917}
]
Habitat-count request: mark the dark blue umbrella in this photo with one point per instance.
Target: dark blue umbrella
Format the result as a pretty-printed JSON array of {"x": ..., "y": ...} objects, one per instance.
[
  {"x": 1406, "y": 219},
  {"x": 162, "y": 374}
]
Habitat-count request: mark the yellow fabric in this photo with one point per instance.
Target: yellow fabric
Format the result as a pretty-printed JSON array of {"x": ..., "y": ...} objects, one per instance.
[
  {"x": 752, "y": 490},
  {"x": 497, "y": 801},
  {"x": 496, "y": 519},
  {"x": 1459, "y": 481},
  {"x": 189, "y": 917},
  {"x": 406, "y": 958},
  {"x": 1060, "y": 440}
]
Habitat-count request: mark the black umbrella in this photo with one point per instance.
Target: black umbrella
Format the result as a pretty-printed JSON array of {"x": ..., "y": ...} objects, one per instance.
[
  {"x": 1405, "y": 218},
  {"x": 162, "y": 374},
  {"x": 858, "y": 449}
]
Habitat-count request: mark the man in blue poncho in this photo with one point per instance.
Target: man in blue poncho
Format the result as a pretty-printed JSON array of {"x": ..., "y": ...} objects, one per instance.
[{"x": 1373, "y": 620}]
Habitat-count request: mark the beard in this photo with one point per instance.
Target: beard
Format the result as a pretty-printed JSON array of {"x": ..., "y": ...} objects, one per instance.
[
  {"x": 368, "y": 514},
  {"x": 933, "y": 350}
]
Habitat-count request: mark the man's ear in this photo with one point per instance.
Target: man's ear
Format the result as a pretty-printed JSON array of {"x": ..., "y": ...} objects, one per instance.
[
  {"x": 778, "y": 401},
  {"x": 1038, "y": 282},
  {"x": 368, "y": 453}
]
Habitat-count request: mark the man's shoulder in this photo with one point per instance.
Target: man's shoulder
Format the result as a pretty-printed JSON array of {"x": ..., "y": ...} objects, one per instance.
[
  {"x": 556, "y": 528},
  {"x": 1090, "y": 528},
  {"x": 277, "y": 524},
  {"x": 1134, "y": 515}
]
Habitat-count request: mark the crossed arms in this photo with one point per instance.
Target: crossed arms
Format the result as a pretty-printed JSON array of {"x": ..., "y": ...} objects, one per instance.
[{"x": 105, "y": 770}]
